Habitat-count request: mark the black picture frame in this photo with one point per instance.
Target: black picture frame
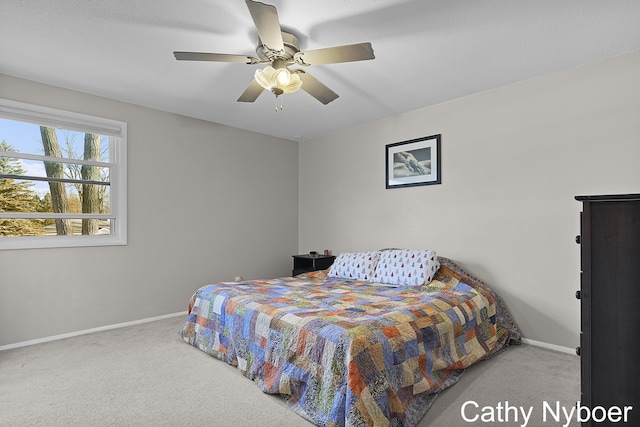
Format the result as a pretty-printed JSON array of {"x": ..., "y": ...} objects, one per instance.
[{"x": 414, "y": 162}]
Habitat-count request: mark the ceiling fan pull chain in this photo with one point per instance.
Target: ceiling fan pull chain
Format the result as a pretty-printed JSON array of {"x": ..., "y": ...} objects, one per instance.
[{"x": 281, "y": 107}]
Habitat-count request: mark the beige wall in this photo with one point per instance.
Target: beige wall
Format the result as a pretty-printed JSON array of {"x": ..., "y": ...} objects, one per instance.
[
  {"x": 233, "y": 212},
  {"x": 512, "y": 161}
]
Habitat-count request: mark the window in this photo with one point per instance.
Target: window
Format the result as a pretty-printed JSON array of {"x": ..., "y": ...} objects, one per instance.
[{"x": 63, "y": 179}]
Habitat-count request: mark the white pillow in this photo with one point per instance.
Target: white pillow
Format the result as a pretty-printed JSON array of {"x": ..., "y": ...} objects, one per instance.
[
  {"x": 355, "y": 265},
  {"x": 406, "y": 267}
]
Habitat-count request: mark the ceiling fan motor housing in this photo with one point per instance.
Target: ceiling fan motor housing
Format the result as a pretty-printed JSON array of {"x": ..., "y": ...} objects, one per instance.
[{"x": 291, "y": 47}]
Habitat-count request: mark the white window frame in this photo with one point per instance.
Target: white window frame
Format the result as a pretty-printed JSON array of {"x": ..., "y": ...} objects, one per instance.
[{"x": 117, "y": 131}]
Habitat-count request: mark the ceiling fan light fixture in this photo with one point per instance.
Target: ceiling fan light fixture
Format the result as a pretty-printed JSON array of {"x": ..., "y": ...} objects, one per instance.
[{"x": 279, "y": 80}]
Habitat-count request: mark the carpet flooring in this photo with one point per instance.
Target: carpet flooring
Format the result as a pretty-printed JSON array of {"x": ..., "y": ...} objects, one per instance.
[{"x": 146, "y": 375}]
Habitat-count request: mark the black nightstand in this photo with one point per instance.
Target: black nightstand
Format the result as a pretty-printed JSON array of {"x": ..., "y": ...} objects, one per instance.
[{"x": 305, "y": 263}]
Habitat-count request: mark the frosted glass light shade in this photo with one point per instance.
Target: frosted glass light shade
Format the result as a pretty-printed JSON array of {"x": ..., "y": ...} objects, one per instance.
[{"x": 278, "y": 81}]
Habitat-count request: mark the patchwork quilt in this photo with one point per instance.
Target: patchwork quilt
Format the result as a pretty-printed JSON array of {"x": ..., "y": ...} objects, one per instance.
[{"x": 351, "y": 353}]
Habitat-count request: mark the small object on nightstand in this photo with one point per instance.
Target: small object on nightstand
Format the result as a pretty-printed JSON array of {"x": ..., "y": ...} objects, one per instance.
[
  {"x": 326, "y": 252},
  {"x": 311, "y": 262}
]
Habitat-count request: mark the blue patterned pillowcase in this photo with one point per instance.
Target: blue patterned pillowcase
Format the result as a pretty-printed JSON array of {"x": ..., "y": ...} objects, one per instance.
[
  {"x": 406, "y": 267},
  {"x": 355, "y": 265}
]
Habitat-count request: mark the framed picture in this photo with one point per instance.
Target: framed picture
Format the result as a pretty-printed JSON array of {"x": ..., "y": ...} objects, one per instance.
[{"x": 414, "y": 162}]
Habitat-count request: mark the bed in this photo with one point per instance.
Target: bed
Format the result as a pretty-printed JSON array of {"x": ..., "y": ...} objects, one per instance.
[{"x": 352, "y": 352}]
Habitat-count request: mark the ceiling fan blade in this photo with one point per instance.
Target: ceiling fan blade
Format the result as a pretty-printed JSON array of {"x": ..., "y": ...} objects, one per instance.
[
  {"x": 315, "y": 88},
  {"x": 333, "y": 55},
  {"x": 252, "y": 92},
  {"x": 265, "y": 18},
  {"x": 218, "y": 57}
]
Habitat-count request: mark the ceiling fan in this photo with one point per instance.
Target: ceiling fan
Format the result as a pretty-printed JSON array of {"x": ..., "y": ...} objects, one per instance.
[{"x": 280, "y": 50}]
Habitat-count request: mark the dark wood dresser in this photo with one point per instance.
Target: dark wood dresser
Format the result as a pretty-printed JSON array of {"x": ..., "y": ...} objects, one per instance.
[{"x": 610, "y": 306}]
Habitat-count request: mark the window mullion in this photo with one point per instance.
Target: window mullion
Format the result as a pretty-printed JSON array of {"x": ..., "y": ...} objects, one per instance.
[
  {"x": 51, "y": 179},
  {"x": 25, "y": 156},
  {"x": 50, "y": 215}
]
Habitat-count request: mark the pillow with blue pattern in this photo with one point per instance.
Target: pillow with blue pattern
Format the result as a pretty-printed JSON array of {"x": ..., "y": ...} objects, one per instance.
[
  {"x": 406, "y": 267},
  {"x": 355, "y": 265}
]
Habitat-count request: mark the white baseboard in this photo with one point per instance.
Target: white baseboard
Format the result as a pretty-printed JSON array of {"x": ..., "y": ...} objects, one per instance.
[
  {"x": 89, "y": 331},
  {"x": 548, "y": 346}
]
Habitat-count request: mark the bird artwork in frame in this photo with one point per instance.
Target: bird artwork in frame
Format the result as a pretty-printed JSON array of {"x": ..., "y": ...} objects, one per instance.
[{"x": 413, "y": 162}]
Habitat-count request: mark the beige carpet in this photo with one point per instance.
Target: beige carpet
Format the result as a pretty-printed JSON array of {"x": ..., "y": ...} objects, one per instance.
[{"x": 145, "y": 375}]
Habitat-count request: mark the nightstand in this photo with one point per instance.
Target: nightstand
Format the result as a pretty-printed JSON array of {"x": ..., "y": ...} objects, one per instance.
[{"x": 305, "y": 263}]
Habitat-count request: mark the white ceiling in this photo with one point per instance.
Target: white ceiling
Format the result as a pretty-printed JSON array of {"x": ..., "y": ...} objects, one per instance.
[{"x": 427, "y": 52}]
